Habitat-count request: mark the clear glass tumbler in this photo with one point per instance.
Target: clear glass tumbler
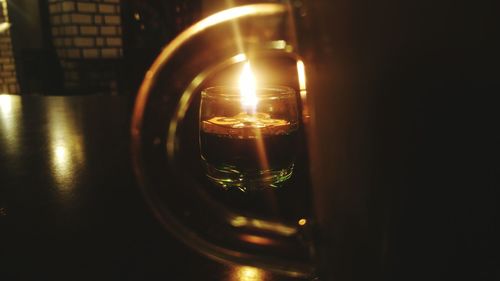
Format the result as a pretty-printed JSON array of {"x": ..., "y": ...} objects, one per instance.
[{"x": 248, "y": 149}]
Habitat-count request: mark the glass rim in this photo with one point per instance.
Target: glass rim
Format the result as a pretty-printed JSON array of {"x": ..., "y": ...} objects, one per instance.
[{"x": 233, "y": 92}]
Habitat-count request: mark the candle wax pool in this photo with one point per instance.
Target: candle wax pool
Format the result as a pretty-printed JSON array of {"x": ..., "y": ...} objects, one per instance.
[{"x": 246, "y": 125}]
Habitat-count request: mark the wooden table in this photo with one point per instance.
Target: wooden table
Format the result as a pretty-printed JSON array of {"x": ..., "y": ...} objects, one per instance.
[{"x": 69, "y": 205}]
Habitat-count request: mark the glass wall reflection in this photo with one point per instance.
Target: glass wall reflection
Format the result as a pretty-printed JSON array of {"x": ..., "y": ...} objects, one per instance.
[{"x": 247, "y": 273}]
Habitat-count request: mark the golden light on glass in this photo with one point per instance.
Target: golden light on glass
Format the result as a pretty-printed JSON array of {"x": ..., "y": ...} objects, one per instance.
[
  {"x": 241, "y": 221},
  {"x": 247, "y": 273},
  {"x": 301, "y": 75},
  {"x": 302, "y": 222},
  {"x": 279, "y": 44},
  {"x": 255, "y": 239}
]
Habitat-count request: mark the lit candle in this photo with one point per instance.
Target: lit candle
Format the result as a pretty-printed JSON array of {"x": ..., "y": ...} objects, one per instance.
[
  {"x": 248, "y": 89},
  {"x": 254, "y": 148},
  {"x": 249, "y": 122}
]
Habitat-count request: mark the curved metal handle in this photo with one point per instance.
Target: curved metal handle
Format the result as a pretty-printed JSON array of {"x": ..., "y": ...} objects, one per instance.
[{"x": 176, "y": 199}]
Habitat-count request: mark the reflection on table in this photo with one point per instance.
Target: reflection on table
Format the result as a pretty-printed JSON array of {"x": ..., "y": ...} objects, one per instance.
[{"x": 69, "y": 204}]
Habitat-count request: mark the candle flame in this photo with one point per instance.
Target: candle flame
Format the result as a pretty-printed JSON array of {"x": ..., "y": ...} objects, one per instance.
[{"x": 248, "y": 90}]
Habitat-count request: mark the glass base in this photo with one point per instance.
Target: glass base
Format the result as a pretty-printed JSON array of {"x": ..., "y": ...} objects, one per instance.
[{"x": 229, "y": 177}]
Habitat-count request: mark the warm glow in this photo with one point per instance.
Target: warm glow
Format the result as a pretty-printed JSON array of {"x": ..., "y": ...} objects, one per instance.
[
  {"x": 4, "y": 26},
  {"x": 66, "y": 145},
  {"x": 10, "y": 123},
  {"x": 302, "y": 222},
  {"x": 278, "y": 44},
  {"x": 247, "y": 273},
  {"x": 302, "y": 75},
  {"x": 248, "y": 88},
  {"x": 60, "y": 154},
  {"x": 5, "y": 104},
  {"x": 240, "y": 221},
  {"x": 255, "y": 239}
]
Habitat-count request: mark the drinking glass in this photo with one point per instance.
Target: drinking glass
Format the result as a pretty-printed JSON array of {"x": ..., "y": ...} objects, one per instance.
[{"x": 248, "y": 150}]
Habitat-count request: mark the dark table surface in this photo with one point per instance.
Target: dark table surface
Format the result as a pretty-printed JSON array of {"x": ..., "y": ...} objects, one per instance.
[{"x": 69, "y": 205}]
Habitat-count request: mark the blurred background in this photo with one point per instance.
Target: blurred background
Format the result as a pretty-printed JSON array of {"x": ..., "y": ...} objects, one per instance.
[{"x": 81, "y": 47}]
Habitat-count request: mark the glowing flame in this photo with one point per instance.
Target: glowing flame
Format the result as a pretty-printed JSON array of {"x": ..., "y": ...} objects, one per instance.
[{"x": 248, "y": 88}]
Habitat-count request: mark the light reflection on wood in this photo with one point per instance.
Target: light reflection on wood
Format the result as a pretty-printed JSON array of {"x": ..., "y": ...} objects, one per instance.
[
  {"x": 10, "y": 123},
  {"x": 66, "y": 145}
]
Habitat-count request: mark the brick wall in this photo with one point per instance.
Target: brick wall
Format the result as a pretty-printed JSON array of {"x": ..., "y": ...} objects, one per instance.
[
  {"x": 87, "y": 35},
  {"x": 8, "y": 80}
]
